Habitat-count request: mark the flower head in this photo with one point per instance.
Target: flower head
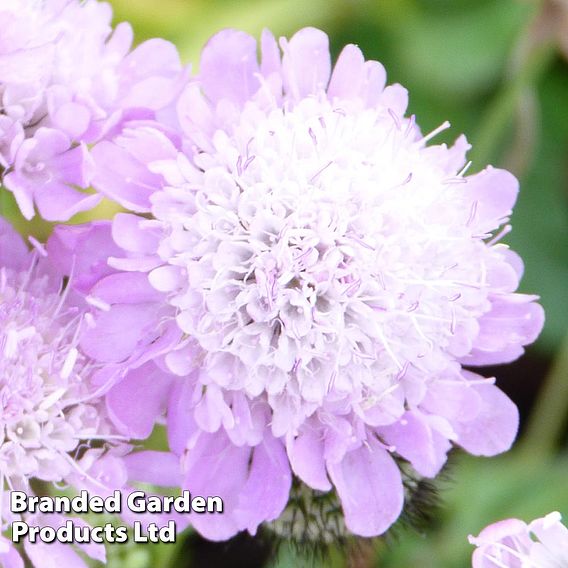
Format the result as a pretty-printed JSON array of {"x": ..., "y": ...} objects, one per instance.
[
  {"x": 52, "y": 411},
  {"x": 319, "y": 275},
  {"x": 512, "y": 543}
]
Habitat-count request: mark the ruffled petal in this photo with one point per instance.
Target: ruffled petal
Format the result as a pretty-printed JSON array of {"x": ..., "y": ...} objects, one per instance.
[
  {"x": 138, "y": 400},
  {"x": 369, "y": 485},
  {"x": 306, "y": 453},
  {"x": 266, "y": 492},
  {"x": 228, "y": 67},
  {"x": 414, "y": 439},
  {"x": 495, "y": 427},
  {"x": 306, "y": 64}
]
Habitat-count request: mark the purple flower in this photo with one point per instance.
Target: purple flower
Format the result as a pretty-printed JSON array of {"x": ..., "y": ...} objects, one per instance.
[
  {"x": 66, "y": 79},
  {"x": 512, "y": 543},
  {"x": 52, "y": 407},
  {"x": 315, "y": 274}
]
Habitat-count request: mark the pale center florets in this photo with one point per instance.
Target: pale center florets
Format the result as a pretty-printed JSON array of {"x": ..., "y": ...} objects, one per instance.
[
  {"x": 323, "y": 256},
  {"x": 43, "y": 399}
]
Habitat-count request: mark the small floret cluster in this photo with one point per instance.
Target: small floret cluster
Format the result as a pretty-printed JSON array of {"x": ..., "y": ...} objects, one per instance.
[{"x": 543, "y": 543}]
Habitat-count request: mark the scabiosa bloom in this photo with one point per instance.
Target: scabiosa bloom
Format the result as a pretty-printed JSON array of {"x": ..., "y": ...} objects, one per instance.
[
  {"x": 65, "y": 79},
  {"x": 51, "y": 411},
  {"x": 512, "y": 543},
  {"x": 328, "y": 273}
]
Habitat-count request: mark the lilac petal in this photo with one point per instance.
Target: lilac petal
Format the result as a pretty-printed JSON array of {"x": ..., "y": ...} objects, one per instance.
[
  {"x": 95, "y": 550},
  {"x": 306, "y": 64},
  {"x": 395, "y": 98},
  {"x": 180, "y": 421},
  {"x": 348, "y": 74},
  {"x": 369, "y": 485},
  {"x": 129, "y": 234},
  {"x": 148, "y": 142},
  {"x": 495, "y": 428},
  {"x": 151, "y": 71},
  {"x": 454, "y": 400},
  {"x": 266, "y": 492},
  {"x": 513, "y": 321},
  {"x": 481, "y": 358},
  {"x": 118, "y": 331},
  {"x": 53, "y": 555},
  {"x": 13, "y": 251},
  {"x": 125, "y": 288},
  {"x": 83, "y": 250},
  {"x": 451, "y": 159},
  {"x": 154, "y": 56},
  {"x": 212, "y": 411},
  {"x": 250, "y": 420},
  {"x": 9, "y": 556},
  {"x": 18, "y": 185},
  {"x": 270, "y": 62},
  {"x": 306, "y": 453},
  {"x": 25, "y": 66},
  {"x": 73, "y": 166},
  {"x": 167, "y": 278},
  {"x": 374, "y": 83},
  {"x": 415, "y": 440},
  {"x": 494, "y": 191},
  {"x": 196, "y": 119},
  {"x": 136, "y": 402},
  {"x": 207, "y": 474},
  {"x": 120, "y": 41},
  {"x": 59, "y": 202},
  {"x": 552, "y": 534},
  {"x": 73, "y": 118},
  {"x": 510, "y": 532},
  {"x": 228, "y": 67},
  {"x": 157, "y": 468},
  {"x": 123, "y": 178}
]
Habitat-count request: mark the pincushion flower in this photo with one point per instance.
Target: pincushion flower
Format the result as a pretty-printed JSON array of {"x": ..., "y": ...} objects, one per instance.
[
  {"x": 66, "y": 78},
  {"x": 52, "y": 411},
  {"x": 318, "y": 275},
  {"x": 512, "y": 543}
]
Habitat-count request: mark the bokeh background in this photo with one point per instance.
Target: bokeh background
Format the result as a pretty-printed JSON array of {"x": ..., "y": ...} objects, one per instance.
[{"x": 498, "y": 71}]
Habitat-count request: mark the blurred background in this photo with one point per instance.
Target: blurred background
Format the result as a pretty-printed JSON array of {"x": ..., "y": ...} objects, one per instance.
[{"x": 498, "y": 71}]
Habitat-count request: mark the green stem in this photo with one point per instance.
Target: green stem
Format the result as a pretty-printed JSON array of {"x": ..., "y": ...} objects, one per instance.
[
  {"x": 550, "y": 413},
  {"x": 500, "y": 116}
]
